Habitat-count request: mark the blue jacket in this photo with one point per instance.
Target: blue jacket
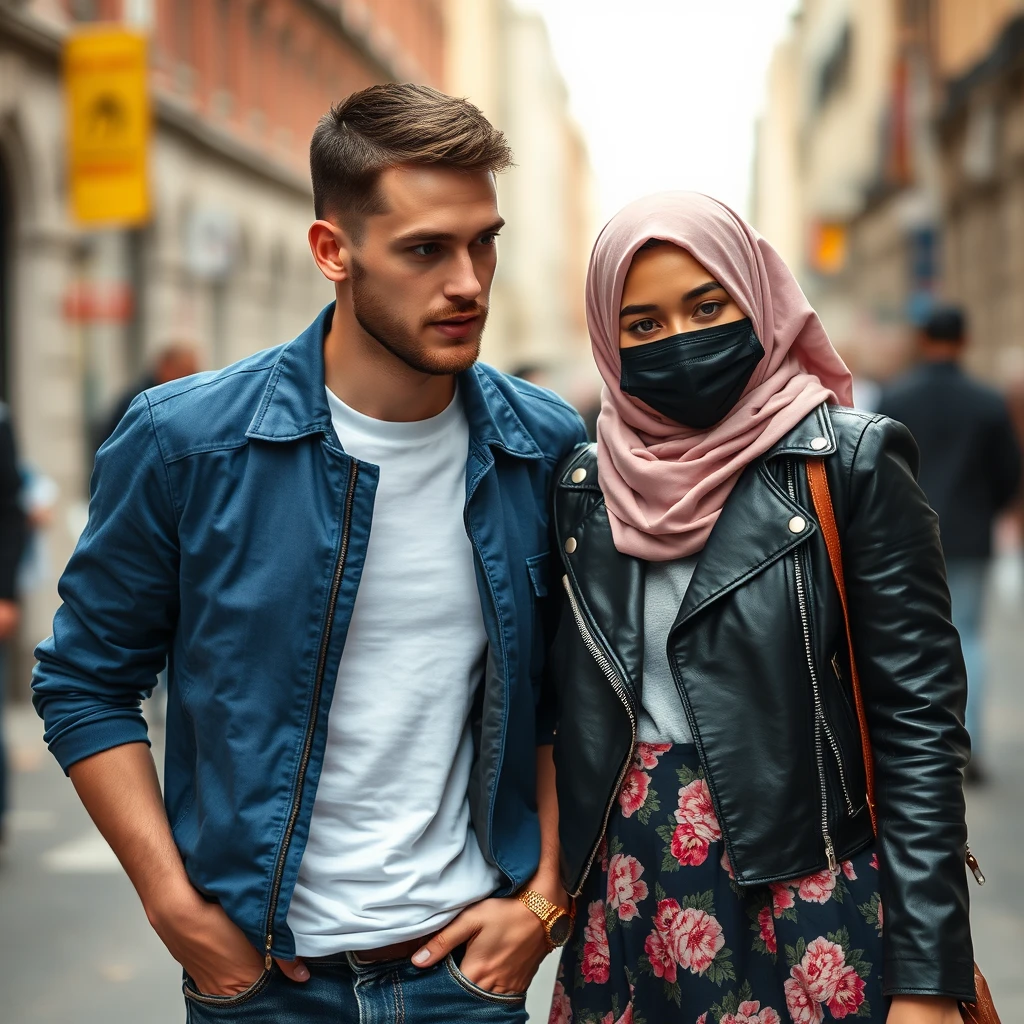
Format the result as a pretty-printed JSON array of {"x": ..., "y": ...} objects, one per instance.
[{"x": 227, "y": 533}]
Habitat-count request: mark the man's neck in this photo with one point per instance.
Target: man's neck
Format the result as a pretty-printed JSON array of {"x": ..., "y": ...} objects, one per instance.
[{"x": 373, "y": 381}]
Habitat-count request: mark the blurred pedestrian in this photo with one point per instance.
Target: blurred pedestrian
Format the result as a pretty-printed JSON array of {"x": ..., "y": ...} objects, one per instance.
[
  {"x": 342, "y": 545},
  {"x": 12, "y": 533},
  {"x": 970, "y": 471},
  {"x": 176, "y": 360},
  {"x": 716, "y": 810}
]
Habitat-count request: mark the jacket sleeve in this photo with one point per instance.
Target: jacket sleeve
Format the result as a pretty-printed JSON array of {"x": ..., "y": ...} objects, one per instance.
[
  {"x": 551, "y": 608},
  {"x": 915, "y": 691},
  {"x": 1004, "y": 459},
  {"x": 120, "y": 602},
  {"x": 12, "y": 519}
]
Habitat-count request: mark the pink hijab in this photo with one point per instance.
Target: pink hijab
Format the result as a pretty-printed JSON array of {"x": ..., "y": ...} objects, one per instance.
[{"x": 664, "y": 484}]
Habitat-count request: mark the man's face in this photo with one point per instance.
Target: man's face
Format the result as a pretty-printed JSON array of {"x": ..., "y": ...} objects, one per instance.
[{"x": 422, "y": 270}]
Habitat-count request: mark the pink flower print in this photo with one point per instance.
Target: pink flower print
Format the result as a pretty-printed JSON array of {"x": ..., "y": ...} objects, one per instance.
[
  {"x": 633, "y": 794},
  {"x": 626, "y": 1018},
  {"x": 847, "y": 866},
  {"x": 561, "y": 1007},
  {"x": 647, "y": 754},
  {"x": 750, "y": 1012},
  {"x": 767, "y": 923},
  {"x": 727, "y": 865},
  {"x": 602, "y": 852},
  {"x": 703, "y": 1018},
  {"x": 698, "y": 827},
  {"x": 821, "y": 969},
  {"x": 596, "y": 957},
  {"x": 817, "y": 888},
  {"x": 782, "y": 897},
  {"x": 625, "y": 889},
  {"x": 699, "y": 937},
  {"x": 848, "y": 996},
  {"x": 874, "y": 861},
  {"x": 802, "y": 1008},
  {"x": 661, "y": 959}
]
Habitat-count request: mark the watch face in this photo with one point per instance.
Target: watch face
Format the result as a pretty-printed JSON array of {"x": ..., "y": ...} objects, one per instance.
[{"x": 560, "y": 930}]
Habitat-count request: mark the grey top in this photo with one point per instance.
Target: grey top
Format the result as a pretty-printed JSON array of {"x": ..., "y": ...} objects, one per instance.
[{"x": 662, "y": 719}]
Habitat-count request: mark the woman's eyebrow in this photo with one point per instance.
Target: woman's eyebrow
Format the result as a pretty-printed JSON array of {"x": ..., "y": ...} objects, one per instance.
[
  {"x": 702, "y": 289},
  {"x": 632, "y": 310}
]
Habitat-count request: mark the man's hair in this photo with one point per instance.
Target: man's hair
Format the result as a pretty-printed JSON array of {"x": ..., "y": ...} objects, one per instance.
[
  {"x": 388, "y": 126},
  {"x": 946, "y": 323}
]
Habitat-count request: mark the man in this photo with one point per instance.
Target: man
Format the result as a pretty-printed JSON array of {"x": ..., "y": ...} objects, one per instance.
[
  {"x": 970, "y": 471},
  {"x": 174, "y": 361},
  {"x": 342, "y": 547},
  {"x": 12, "y": 533}
]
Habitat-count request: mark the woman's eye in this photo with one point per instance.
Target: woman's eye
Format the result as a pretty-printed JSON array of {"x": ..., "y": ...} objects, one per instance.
[
  {"x": 426, "y": 249},
  {"x": 707, "y": 309},
  {"x": 644, "y": 327}
]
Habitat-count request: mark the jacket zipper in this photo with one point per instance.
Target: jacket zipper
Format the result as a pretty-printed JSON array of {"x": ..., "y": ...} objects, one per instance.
[
  {"x": 605, "y": 665},
  {"x": 819, "y": 710},
  {"x": 321, "y": 664}
]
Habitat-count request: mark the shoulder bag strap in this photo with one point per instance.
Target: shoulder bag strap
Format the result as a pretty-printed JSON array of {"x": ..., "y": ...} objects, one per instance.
[{"x": 822, "y": 499}]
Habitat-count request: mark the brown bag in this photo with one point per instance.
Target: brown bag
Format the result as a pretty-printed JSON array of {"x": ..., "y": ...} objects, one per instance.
[{"x": 983, "y": 1011}]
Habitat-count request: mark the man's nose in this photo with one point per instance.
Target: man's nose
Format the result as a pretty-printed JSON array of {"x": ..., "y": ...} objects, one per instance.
[{"x": 464, "y": 282}]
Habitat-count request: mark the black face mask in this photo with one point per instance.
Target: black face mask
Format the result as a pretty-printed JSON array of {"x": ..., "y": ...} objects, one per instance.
[{"x": 694, "y": 378}]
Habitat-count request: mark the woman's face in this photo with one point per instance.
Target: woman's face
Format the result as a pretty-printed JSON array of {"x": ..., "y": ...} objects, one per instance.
[{"x": 667, "y": 292}]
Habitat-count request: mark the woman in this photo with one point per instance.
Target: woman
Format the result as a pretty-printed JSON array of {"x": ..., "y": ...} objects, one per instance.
[{"x": 712, "y": 791}]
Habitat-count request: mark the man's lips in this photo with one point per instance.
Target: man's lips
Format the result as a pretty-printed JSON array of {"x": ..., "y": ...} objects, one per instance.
[{"x": 457, "y": 326}]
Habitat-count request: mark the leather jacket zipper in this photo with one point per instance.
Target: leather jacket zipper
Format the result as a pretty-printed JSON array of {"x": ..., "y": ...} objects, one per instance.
[
  {"x": 321, "y": 664},
  {"x": 819, "y": 710},
  {"x": 605, "y": 665}
]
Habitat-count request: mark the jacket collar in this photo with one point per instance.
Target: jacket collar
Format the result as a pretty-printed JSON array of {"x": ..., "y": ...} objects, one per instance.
[
  {"x": 294, "y": 402},
  {"x": 812, "y": 437}
]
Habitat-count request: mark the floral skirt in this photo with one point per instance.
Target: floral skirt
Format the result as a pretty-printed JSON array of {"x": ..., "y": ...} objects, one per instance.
[{"x": 664, "y": 934}]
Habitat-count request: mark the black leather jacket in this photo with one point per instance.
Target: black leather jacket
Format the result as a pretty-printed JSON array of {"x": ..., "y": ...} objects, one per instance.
[{"x": 758, "y": 653}]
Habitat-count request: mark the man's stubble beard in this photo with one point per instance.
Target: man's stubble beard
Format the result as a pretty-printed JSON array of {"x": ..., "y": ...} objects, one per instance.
[{"x": 373, "y": 314}]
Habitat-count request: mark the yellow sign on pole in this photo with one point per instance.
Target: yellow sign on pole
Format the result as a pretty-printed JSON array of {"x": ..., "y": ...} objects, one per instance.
[{"x": 107, "y": 88}]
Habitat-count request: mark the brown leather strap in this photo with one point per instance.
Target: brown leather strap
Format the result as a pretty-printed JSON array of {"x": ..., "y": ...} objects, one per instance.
[{"x": 818, "y": 482}]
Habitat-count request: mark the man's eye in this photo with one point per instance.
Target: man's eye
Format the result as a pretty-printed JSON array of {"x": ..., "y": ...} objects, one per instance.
[
  {"x": 709, "y": 308},
  {"x": 489, "y": 239},
  {"x": 426, "y": 249}
]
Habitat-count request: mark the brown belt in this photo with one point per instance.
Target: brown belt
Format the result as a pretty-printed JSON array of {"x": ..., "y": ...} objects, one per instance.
[{"x": 396, "y": 951}]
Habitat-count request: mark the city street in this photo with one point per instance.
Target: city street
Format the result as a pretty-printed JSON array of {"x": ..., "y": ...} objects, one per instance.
[{"x": 76, "y": 945}]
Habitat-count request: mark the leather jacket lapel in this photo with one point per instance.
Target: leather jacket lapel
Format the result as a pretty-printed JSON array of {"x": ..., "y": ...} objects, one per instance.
[{"x": 758, "y": 525}]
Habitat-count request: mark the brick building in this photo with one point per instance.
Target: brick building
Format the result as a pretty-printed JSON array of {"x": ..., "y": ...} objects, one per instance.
[{"x": 237, "y": 88}]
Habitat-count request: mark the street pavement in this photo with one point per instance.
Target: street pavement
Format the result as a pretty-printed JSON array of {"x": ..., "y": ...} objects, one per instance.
[{"x": 75, "y": 945}]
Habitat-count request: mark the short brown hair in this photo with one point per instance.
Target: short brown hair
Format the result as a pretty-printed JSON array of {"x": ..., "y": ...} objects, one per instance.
[{"x": 390, "y": 125}]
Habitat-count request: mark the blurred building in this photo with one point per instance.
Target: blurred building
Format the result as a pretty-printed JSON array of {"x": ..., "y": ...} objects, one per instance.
[
  {"x": 237, "y": 88},
  {"x": 501, "y": 59},
  {"x": 890, "y": 170}
]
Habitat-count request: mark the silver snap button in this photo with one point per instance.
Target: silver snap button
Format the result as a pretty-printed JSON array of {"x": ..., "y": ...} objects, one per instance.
[
  {"x": 797, "y": 524},
  {"x": 819, "y": 444},
  {"x": 570, "y": 545},
  {"x": 579, "y": 475}
]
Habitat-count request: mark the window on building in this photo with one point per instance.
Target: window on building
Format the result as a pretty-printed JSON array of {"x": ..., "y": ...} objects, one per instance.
[
  {"x": 835, "y": 71},
  {"x": 183, "y": 32}
]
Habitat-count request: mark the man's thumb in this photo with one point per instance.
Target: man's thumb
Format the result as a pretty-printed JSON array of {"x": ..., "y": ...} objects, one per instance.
[{"x": 294, "y": 969}]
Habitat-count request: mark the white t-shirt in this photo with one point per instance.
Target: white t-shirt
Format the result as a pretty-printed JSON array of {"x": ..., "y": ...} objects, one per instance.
[{"x": 391, "y": 854}]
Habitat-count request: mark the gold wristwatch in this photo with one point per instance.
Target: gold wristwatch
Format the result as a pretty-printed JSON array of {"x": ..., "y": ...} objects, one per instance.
[{"x": 557, "y": 922}]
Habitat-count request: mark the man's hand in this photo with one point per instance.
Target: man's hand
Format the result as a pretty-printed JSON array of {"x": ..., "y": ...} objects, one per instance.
[
  {"x": 923, "y": 1010},
  {"x": 505, "y": 944},
  {"x": 218, "y": 957},
  {"x": 10, "y": 616}
]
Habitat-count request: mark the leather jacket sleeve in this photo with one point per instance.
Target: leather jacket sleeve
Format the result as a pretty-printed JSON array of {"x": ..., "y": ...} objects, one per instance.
[{"x": 915, "y": 691}]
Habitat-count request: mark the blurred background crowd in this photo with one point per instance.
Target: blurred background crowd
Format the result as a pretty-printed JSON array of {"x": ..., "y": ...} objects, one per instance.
[{"x": 154, "y": 202}]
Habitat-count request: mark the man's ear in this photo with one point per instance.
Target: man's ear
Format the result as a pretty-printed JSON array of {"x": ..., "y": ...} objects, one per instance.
[{"x": 331, "y": 249}]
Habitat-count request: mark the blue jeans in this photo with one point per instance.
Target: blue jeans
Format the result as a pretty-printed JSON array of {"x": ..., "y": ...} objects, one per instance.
[
  {"x": 967, "y": 579},
  {"x": 342, "y": 989}
]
